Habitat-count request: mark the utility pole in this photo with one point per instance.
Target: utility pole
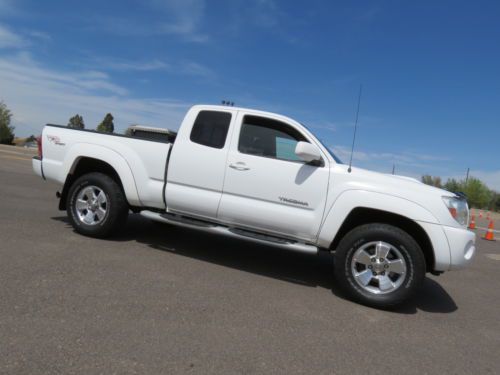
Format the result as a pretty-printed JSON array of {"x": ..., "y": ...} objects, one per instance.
[
  {"x": 467, "y": 176},
  {"x": 393, "y": 168}
]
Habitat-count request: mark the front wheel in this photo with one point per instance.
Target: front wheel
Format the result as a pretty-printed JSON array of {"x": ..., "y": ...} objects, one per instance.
[
  {"x": 379, "y": 265},
  {"x": 96, "y": 205}
]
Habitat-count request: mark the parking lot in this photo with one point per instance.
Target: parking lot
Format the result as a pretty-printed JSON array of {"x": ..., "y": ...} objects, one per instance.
[{"x": 161, "y": 299}]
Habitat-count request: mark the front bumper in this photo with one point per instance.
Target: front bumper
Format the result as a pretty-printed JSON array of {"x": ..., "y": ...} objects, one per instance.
[
  {"x": 462, "y": 244},
  {"x": 454, "y": 247},
  {"x": 36, "y": 163}
]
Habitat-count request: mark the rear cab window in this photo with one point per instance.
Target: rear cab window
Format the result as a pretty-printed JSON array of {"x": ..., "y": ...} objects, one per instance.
[{"x": 210, "y": 128}]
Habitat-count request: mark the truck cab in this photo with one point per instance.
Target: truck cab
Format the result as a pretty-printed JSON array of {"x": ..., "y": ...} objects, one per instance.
[{"x": 248, "y": 172}]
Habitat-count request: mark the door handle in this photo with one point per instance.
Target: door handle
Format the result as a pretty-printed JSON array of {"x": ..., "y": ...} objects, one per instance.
[{"x": 239, "y": 166}]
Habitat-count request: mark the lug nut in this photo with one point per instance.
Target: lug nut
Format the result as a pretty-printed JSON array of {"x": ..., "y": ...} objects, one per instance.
[
  {"x": 370, "y": 267},
  {"x": 381, "y": 259},
  {"x": 386, "y": 266},
  {"x": 382, "y": 273},
  {"x": 373, "y": 259},
  {"x": 374, "y": 273}
]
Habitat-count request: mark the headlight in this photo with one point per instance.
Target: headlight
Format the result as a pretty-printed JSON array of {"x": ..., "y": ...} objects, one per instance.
[{"x": 458, "y": 209}]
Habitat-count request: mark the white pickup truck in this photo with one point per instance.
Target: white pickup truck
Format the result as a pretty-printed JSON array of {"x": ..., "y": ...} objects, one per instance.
[{"x": 266, "y": 178}]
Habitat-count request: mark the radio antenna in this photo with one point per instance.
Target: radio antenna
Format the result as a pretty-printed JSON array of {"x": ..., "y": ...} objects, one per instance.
[{"x": 355, "y": 128}]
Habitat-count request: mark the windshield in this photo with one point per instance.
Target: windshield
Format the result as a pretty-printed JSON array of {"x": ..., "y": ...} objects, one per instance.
[{"x": 335, "y": 157}]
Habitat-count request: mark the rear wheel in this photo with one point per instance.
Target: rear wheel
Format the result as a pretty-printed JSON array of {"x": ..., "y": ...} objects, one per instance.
[
  {"x": 379, "y": 265},
  {"x": 96, "y": 205}
]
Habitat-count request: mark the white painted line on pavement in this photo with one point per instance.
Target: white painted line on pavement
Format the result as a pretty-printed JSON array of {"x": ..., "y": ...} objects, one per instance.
[
  {"x": 493, "y": 256},
  {"x": 494, "y": 230}
]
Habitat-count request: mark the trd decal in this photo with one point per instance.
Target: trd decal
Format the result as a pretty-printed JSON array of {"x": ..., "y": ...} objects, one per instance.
[{"x": 55, "y": 140}]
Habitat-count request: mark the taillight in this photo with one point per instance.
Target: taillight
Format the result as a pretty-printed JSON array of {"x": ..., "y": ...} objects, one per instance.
[{"x": 39, "y": 144}]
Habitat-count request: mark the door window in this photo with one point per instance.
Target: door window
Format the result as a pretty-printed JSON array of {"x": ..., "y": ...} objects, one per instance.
[
  {"x": 269, "y": 138},
  {"x": 210, "y": 128}
]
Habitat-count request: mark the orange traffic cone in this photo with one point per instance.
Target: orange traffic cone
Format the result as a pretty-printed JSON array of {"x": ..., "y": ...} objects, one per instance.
[
  {"x": 489, "y": 233},
  {"x": 472, "y": 224}
]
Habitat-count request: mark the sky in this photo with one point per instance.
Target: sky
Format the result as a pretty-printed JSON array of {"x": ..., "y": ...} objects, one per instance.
[{"x": 430, "y": 71}]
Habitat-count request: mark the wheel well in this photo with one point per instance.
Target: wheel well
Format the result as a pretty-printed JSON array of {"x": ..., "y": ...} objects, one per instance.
[
  {"x": 83, "y": 166},
  {"x": 363, "y": 215}
]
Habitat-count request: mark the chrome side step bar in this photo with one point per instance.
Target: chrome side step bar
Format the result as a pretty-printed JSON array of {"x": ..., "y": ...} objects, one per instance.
[
  {"x": 187, "y": 220},
  {"x": 210, "y": 227}
]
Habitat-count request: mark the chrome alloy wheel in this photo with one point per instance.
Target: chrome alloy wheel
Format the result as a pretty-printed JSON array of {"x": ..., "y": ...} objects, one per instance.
[
  {"x": 378, "y": 267},
  {"x": 91, "y": 205}
]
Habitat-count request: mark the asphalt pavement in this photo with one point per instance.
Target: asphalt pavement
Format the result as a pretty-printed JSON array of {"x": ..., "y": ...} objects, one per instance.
[{"x": 161, "y": 299}]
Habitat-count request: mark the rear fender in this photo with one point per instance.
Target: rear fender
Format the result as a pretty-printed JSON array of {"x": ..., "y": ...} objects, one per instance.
[{"x": 114, "y": 159}]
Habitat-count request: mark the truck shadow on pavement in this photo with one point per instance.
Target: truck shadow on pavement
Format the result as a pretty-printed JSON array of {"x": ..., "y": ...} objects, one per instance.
[{"x": 303, "y": 269}]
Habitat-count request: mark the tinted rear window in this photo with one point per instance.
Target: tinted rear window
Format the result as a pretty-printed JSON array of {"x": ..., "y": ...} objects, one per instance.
[{"x": 210, "y": 128}]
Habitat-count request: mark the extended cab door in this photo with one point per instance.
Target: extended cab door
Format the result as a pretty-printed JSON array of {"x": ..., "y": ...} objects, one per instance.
[
  {"x": 198, "y": 162},
  {"x": 267, "y": 187}
]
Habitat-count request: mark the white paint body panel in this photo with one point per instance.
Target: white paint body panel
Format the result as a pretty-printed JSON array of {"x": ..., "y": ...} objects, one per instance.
[
  {"x": 202, "y": 183},
  {"x": 196, "y": 172},
  {"x": 139, "y": 163},
  {"x": 258, "y": 194}
]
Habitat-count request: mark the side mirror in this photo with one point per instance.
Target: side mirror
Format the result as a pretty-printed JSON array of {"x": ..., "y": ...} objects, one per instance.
[{"x": 307, "y": 152}]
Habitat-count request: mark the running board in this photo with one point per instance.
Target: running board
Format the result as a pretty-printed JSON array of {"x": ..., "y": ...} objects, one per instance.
[
  {"x": 187, "y": 220},
  {"x": 210, "y": 227}
]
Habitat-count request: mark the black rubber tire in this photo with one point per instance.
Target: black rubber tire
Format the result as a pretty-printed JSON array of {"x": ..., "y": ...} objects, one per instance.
[
  {"x": 408, "y": 247},
  {"x": 117, "y": 205}
]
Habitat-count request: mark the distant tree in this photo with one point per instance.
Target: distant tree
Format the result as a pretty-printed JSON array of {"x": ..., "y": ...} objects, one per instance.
[
  {"x": 76, "y": 122},
  {"x": 478, "y": 194},
  {"x": 31, "y": 138},
  {"x": 497, "y": 202},
  {"x": 6, "y": 130},
  {"x": 427, "y": 179},
  {"x": 454, "y": 185},
  {"x": 430, "y": 180},
  {"x": 106, "y": 126}
]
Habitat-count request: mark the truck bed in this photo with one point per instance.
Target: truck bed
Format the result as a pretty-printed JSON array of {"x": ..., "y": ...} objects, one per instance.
[
  {"x": 171, "y": 134},
  {"x": 142, "y": 160}
]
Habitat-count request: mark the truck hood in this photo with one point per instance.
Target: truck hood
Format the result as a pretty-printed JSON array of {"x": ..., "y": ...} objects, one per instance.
[
  {"x": 388, "y": 182},
  {"x": 429, "y": 197}
]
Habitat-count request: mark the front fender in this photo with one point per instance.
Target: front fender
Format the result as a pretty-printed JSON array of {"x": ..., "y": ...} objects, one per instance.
[{"x": 351, "y": 199}]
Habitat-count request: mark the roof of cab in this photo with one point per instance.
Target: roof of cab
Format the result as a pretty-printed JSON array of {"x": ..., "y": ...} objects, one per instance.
[{"x": 243, "y": 109}]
